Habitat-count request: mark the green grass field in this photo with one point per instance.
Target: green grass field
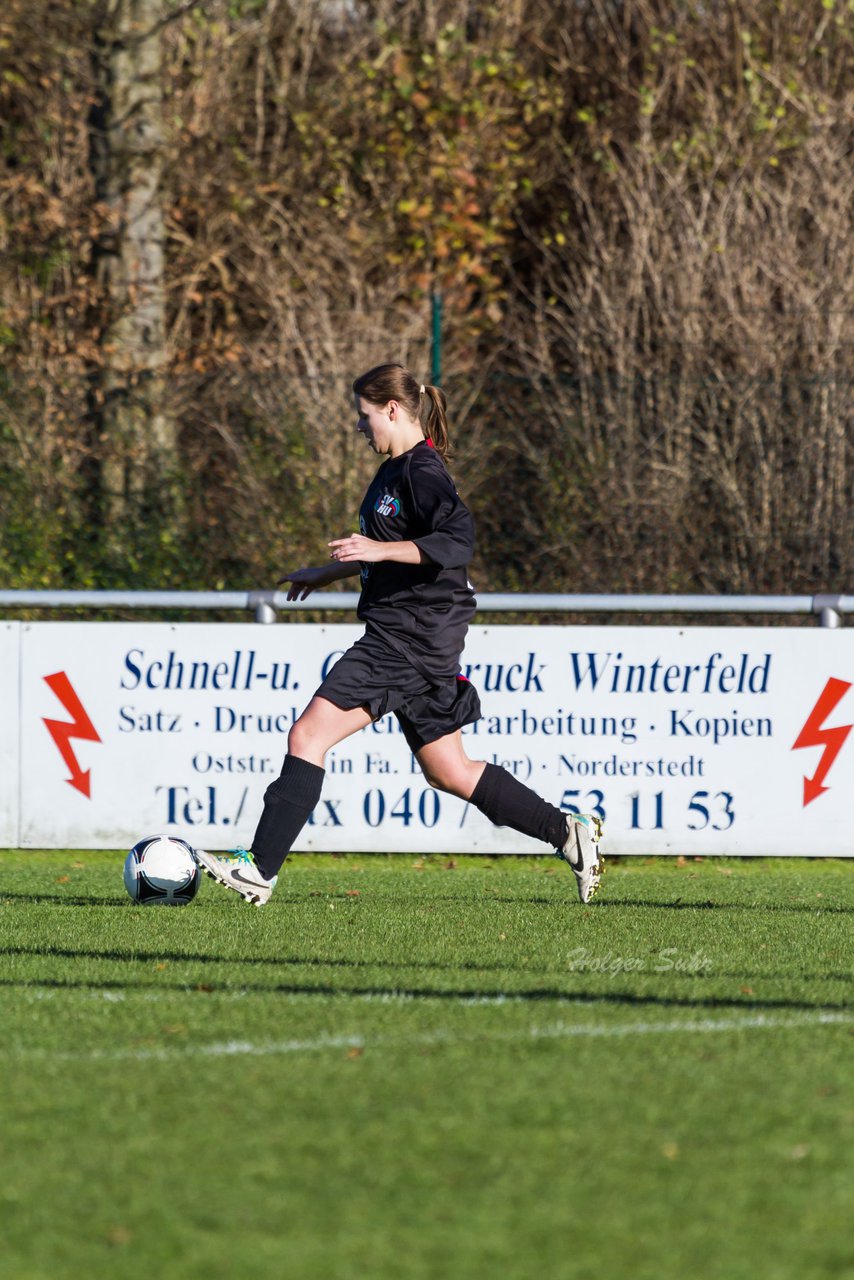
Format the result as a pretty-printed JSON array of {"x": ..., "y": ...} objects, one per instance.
[{"x": 407, "y": 1068}]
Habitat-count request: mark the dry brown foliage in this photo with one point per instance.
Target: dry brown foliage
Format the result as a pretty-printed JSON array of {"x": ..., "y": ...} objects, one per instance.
[{"x": 638, "y": 215}]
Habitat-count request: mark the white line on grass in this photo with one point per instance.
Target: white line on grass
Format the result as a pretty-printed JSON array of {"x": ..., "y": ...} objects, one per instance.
[{"x": 550, "y": 1031}]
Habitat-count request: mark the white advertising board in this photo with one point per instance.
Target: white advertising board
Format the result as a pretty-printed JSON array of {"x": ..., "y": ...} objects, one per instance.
[
  {"x": 693, "y": 741},
  {"x": 10, "y": 718}
]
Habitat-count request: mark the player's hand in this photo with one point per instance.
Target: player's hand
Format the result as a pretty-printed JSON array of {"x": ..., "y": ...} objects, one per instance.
[
  {"x": 304, "y": 581},
  {"x": 356, "y": 547}
]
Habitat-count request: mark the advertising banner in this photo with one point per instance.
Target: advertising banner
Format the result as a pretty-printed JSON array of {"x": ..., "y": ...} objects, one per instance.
[
  {"x": 686, "y": 741},
  {"x": 10, "y": 681}
]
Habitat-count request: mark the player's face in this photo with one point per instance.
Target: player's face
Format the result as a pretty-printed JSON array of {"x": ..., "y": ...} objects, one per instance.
[{"x": 374, "y": 424}]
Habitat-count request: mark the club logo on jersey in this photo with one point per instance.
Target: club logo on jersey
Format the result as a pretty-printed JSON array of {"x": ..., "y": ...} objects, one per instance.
[{"x": 387, "y": 505}]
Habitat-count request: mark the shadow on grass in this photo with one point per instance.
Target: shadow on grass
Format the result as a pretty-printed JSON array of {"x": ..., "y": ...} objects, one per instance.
[
  {"x": 64, "y": 899},
  {"x": 377, "y": 990},
  {"x": 678, "y": 904},
  {"x": 627, "y": 999},
  {"x": 599, "y": 904},
  {"x": 326, "y": 962}
]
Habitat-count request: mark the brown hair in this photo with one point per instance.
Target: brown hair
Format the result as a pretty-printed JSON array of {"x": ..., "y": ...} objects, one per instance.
[{"x": 426, "y": 404}]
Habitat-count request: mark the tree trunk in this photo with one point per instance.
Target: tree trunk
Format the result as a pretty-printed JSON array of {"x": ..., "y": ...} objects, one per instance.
[{"x": 137, "y": 439}]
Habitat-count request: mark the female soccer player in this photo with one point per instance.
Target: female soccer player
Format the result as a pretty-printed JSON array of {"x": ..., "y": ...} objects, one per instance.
[{"x": 415, "y": 540}]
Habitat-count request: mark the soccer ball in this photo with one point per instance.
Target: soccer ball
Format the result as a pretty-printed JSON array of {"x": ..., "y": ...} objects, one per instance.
[{"x": 162, "y": 871}]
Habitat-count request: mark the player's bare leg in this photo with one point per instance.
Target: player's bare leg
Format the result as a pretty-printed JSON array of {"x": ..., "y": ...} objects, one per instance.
[
  {"x": 321, "y": 726},
  {"x": 446, "y": 766}
]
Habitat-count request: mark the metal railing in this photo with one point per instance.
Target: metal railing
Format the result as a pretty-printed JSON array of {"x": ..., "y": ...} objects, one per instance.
[{"x": 264, "y": 605}]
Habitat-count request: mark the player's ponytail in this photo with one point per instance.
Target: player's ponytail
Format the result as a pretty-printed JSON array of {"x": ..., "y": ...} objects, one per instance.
[
  {"x": 434, "y": 420},
  {"x": 424, "y": 403}
]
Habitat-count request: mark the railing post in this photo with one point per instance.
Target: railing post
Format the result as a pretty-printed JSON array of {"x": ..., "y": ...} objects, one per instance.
[
  {"x": 262, "y": 603},
  {"x": 827, "y": 608}
]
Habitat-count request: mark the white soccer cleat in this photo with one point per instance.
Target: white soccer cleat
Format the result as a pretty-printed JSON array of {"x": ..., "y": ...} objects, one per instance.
[
  {"x": 237, "y": 871},
  {"x": 581, "y": 852}
]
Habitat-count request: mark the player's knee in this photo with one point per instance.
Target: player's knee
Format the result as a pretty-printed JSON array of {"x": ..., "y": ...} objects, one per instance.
[
  {"x": 433, "y": 778},
  {"x": 454, "y": 780},
  {"x": 299, "y": 739}
]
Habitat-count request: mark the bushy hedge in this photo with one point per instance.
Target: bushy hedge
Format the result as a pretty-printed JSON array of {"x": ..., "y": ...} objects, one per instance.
[{"x": 639, "y": 219}]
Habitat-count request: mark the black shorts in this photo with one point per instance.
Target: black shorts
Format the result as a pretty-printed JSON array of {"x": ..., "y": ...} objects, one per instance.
[{"x": 373, "y": 675}]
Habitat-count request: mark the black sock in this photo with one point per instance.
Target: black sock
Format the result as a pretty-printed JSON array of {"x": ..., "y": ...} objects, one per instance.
[
  {"x": 287, "y": 804},
  {"x": 509, "y": 803}
]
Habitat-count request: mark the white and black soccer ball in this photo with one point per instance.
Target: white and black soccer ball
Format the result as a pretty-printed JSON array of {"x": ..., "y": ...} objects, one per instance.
[{"x": 162, "y": 871}]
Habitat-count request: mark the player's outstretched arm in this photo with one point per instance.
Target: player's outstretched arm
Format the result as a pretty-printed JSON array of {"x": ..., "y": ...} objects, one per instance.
[
  {"x": 369, "y": 551},
  {"x": 304, "y": 581}
]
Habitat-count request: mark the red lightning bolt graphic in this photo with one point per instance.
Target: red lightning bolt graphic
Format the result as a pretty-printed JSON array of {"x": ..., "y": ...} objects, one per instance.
[
  {"x": 813, "y": 735},
  {"x": 62, "y": 732}
]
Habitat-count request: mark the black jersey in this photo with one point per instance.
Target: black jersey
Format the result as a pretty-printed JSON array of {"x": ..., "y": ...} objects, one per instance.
[{"x": 422, "y": 610}]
